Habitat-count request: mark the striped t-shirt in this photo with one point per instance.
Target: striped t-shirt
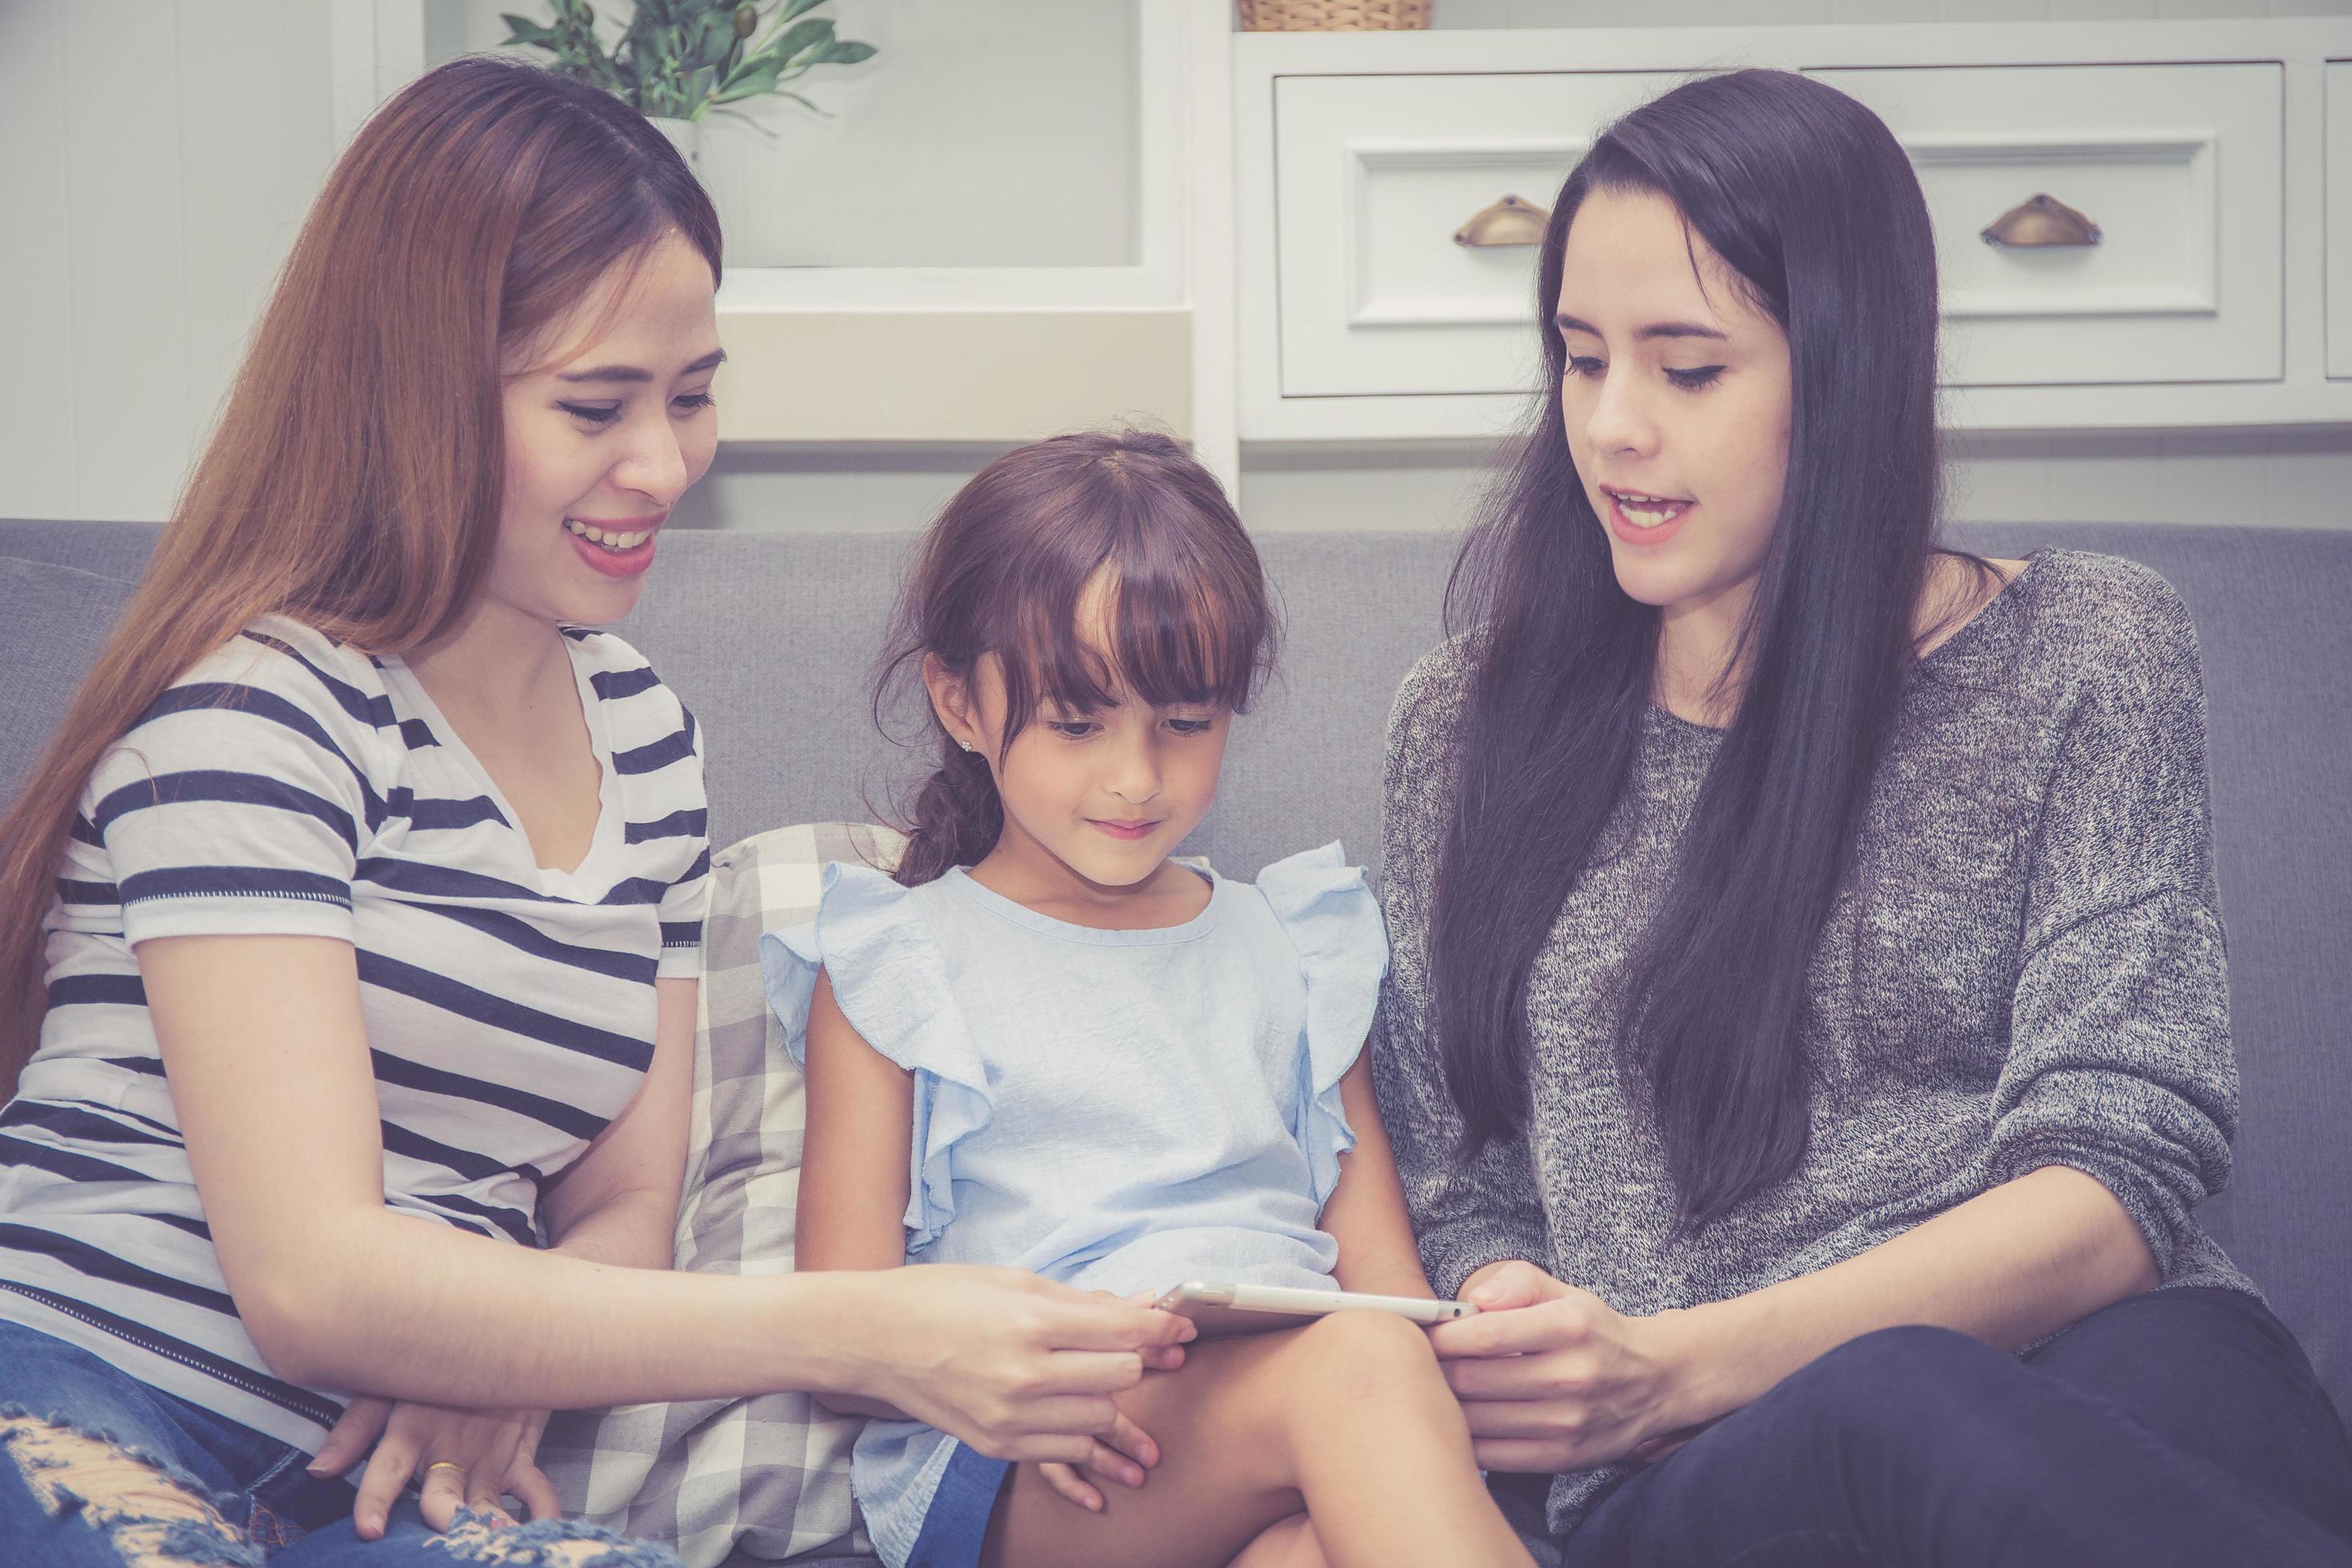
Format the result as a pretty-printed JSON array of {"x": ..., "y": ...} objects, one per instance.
[{"x": 290, "y": 786}]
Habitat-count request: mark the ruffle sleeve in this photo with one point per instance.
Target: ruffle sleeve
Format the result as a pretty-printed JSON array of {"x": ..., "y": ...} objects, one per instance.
[
  {"x": 891, "y": 983},
  {"x": 1327, "y": 911}
]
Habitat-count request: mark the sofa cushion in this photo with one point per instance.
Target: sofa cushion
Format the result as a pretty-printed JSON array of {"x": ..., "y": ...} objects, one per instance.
[
  {"x": 769, "y": 1475},
  {"x": 54, "y": 620}
]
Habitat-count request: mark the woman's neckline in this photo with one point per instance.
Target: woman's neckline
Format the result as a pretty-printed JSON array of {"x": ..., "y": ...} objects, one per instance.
[
  {"x": 1017, "y": 913},
  {"x": 1967, "y": 633},
  {"x": 580, "y": 883}
]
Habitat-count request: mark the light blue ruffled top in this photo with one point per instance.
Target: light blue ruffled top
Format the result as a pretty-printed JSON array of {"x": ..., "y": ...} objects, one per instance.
[{"x": 1117, "y": 1110}]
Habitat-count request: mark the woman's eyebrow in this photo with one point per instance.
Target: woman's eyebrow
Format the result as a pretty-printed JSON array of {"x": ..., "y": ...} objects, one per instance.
[
  {"x": 1568, "y": 324},
  {"x": 615, "y": 373}
]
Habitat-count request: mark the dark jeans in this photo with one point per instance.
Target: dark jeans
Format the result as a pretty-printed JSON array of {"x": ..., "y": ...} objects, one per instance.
[
  {"x": 2184, "y": 1426},
  {"x": 264, "y": 1506}
]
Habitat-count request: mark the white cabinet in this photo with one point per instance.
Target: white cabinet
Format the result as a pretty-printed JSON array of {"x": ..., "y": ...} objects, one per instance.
[
  {"x": 1378, "y": 174},
  {"x": 2178, "y": 167},
  {"x": 2218, "y": 290}
]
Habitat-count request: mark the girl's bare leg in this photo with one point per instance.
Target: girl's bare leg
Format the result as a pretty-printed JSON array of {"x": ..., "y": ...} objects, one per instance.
[
  {"x": 1290, "y": 1544},
  {"x": 1347, "y": 1420}
]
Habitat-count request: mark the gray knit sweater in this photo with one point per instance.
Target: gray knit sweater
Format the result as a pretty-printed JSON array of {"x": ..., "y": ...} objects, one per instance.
[{"x": 2025, "y": 969}]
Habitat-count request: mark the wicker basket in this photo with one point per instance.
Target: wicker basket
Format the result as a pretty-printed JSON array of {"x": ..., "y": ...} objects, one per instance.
[{"x": 1334, "y": 16}]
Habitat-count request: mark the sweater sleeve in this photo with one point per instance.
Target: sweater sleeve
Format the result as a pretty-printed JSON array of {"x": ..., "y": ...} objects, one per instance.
[
  {"x": 2120, "y": 1064},
  {"x": 1466, "y": 1211}
]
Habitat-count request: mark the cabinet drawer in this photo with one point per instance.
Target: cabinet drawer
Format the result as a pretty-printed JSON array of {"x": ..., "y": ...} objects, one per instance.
[
  {"x": 2179, "y": 166},
  {"x": 1375, "y": 177}
]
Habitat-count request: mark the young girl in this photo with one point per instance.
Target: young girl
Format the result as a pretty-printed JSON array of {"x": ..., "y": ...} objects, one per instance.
[{"x": 1046, "y": 1045}]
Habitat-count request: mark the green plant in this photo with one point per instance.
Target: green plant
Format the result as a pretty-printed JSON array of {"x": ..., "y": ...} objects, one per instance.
[{"x": 678, "y": 57}]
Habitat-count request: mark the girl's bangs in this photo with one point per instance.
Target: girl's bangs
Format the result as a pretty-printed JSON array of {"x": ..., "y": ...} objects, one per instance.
[{"x": 1168, "y": 633}]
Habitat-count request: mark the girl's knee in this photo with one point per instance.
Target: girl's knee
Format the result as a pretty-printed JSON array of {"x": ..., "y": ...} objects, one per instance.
[
  {"x": 1366, "y": 1354},
  {"x": 1381, "y": 1338}
]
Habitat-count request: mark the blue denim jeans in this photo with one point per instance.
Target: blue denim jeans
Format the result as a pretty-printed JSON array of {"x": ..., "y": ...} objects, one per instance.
[
  {"x": 260, "y": 1505},
  {"x": 2183, "y": 1427}
]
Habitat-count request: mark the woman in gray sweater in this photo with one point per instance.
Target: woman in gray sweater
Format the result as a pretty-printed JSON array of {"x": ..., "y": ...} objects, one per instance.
[{"x": 1808, "y": 979}]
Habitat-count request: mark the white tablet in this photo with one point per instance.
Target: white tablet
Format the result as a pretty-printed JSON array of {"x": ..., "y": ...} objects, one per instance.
[{"x": 1222, "y": 1308}]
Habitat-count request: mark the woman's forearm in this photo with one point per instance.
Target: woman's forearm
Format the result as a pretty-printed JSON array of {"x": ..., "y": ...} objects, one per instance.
[
  {"x": 2009, "y": 1266},
  {"x": 396, "y": 1306}
]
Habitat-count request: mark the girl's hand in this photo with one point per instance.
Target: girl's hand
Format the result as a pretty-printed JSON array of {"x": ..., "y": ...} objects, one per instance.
[
  {"x": 1018, "y": 1367},
  {"x": 1552, "y": 1379},
  {"x": 470, "y": 1459},
  {"x": 1128, "y": 1453},
  {"x": 1124, "y": 1455}
]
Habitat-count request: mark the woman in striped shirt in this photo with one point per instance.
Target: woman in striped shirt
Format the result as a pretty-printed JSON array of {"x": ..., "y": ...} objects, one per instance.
[{"x": 363, "y": 887}]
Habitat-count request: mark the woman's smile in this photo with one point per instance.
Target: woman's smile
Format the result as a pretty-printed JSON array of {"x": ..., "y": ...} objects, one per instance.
[{"x": 620, "y": 547}]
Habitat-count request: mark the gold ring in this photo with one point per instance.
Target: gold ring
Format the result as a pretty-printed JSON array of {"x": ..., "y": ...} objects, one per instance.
[{"x": 445, "y": 1465}]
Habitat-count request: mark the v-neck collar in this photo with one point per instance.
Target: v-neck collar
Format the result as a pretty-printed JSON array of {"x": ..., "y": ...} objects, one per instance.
[{"x": 593, "y": 877}]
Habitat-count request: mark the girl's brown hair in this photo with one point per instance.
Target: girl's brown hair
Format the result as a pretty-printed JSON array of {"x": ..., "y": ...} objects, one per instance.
[
  {"x": 354, "y": 479},
  {"x": 1005, "y": 571}
]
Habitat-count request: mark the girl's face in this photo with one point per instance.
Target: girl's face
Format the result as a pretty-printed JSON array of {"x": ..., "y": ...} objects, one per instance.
[
  {"x": 1108, "y": 794},
  {"x": 1676, "y": 401},
  {"x": 604, "y": 440}
]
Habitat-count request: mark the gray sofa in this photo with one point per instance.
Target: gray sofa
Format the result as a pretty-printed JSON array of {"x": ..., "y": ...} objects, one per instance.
[{"x": 769, "y": 637}]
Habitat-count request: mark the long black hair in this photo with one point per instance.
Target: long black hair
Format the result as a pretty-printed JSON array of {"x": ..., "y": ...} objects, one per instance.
[
  {"x": 1004, "y": 570},
  {"x": 1810, "y": 200}
]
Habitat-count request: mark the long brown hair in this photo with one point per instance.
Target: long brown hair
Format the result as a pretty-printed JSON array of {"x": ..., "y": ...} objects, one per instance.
[
  {"x": 1003, "y": 571},
  {"x": 354, "y": 479}
]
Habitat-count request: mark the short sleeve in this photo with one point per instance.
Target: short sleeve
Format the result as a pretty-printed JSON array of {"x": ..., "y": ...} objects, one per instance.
[
  {"x": 238, "y": 803},
  {"x": 891, "y": 983},
  {"x": 1327, "y": 911},
  {"x": 687, "y": 898}
]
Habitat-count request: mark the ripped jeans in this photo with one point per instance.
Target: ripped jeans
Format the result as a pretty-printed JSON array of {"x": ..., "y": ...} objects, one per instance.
[{"x": 99, "y": 1470}]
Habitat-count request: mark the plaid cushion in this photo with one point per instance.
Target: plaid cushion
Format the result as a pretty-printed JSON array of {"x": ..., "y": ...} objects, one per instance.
[{"x": 767, "y": 1477}]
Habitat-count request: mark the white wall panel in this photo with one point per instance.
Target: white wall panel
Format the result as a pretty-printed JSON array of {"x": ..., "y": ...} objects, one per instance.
[
  {"x": 39, "y": 369},
  {"x": 156, "y": 157},
  {"x": 124, "y": 185},
  {"x": 254, "y": 177}
]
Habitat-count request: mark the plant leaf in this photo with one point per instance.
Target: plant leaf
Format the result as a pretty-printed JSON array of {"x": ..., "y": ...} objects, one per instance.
[
  {"x": 522, "y": 30},
  {"x": 787, "y": 13},
  {"x": 847, "y": 52},
  {"x": 811, "y": 34},
  {"x": 749, "y": 83},
  {"x": 717, "y": 41}
]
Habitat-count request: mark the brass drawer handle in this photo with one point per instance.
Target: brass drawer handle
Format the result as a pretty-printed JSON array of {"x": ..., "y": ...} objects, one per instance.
[
  {"x": 1507, "y": 222},
  {"x": 2044, "y": 220}
]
